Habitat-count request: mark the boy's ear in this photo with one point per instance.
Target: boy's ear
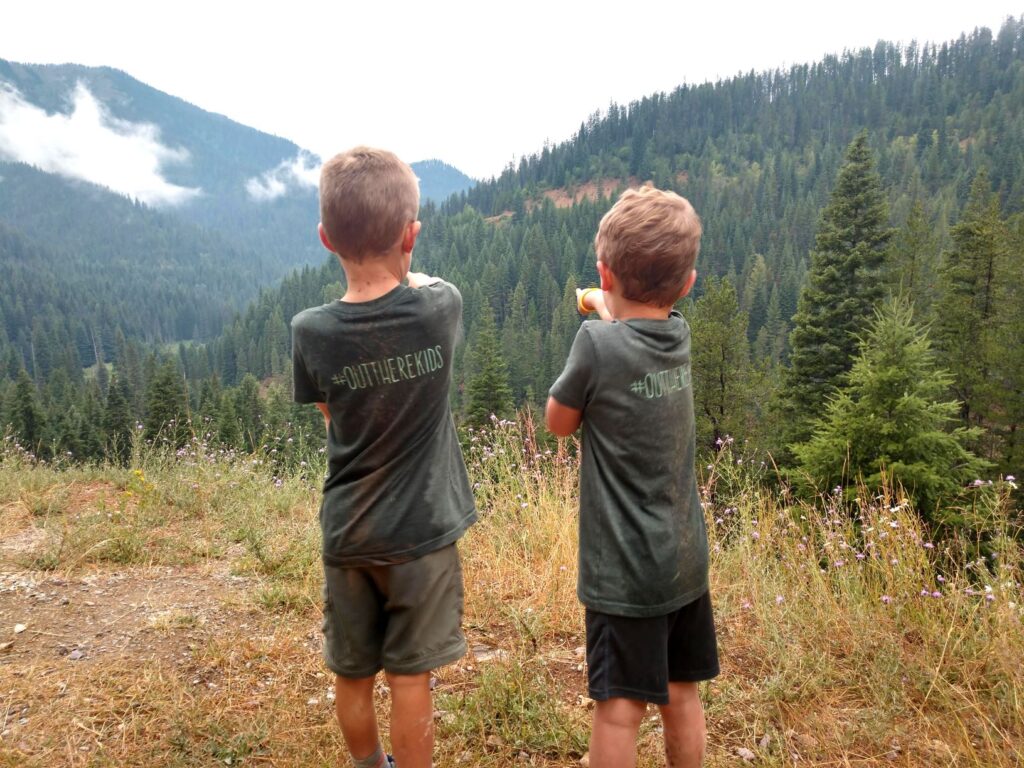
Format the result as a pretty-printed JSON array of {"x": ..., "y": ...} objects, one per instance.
[
  {"x": 409, "y": 236},
  {"x": 689, "y": 283},
  {"x": 606, "y": 275},
  {"x": 323, "y": 237}
]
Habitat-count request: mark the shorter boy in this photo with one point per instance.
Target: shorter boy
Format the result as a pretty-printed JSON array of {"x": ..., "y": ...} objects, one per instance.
[
  {"x": 643, "y": 556},
  {"x": 378, "y": 364}
]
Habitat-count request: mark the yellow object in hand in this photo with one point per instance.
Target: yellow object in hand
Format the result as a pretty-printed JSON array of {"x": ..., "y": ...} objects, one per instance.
[{"x": 581, "y": 301}]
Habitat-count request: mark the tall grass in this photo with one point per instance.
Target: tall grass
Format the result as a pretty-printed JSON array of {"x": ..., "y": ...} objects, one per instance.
[{"x": 849, "y": 633}]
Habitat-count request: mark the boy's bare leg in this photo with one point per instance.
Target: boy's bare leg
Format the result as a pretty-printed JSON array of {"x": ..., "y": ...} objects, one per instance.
[
  {"x": 353, "y": 705},
  {"x": 613, "y": 740},
  {"x": 412, "y": 720},
  {"x": 685, "y": 730}
]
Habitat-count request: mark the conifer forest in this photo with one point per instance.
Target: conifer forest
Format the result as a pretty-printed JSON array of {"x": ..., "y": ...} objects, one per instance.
[{"x": 858, "y": 312}]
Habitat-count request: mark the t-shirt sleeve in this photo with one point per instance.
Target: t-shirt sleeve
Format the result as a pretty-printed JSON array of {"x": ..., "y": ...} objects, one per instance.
[
  {"x": 304, "y": 388},
  {"x": 575, "y": 384},
  {"x": 446, "y": 299}
]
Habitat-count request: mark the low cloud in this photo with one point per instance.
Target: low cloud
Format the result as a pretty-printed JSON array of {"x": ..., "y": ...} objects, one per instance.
[
  {"x": 91, "y": 144},
  {"x": 301, "y": 171}
]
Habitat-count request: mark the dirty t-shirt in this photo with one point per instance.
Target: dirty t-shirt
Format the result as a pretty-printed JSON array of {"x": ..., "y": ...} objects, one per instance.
[
  {"x": 396, "y": 486},
  {"x": 643, "y": 543}
]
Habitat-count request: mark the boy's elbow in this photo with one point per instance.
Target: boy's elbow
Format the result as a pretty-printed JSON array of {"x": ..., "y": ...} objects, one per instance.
[{"x": 559, "y": 419}]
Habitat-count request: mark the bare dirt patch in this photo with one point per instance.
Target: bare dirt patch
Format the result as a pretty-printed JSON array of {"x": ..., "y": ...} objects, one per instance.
[{"x": 142, "y": 613}]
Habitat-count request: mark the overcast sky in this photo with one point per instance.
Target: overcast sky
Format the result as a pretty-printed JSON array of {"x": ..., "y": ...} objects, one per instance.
[{"x": 475, "y": 84}]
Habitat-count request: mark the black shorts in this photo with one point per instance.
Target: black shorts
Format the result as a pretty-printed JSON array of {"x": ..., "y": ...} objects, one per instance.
[{"x": 636, "y": 658}]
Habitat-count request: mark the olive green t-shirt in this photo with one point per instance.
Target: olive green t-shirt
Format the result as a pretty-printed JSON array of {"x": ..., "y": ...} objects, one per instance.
[
  {"x": 643, "y": 544},
  {"x": 396, "y": 486}
]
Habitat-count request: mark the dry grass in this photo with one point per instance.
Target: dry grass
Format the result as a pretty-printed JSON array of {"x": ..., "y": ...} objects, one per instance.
[{"x": 192, "y": 587}]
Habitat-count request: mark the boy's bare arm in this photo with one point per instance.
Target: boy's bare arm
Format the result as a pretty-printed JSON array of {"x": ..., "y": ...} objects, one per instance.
[
  {"x": 326, "y": 413},
  {"x": 561, "y": 419},
  {"x": 592, "y": 300}
]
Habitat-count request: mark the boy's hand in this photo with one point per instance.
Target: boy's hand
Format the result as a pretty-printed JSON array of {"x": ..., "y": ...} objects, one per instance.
[
  {"x": 593, "y": 301},
  {"x": 418, "y": 279}
]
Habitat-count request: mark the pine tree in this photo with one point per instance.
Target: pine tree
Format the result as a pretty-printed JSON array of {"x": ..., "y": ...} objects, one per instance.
[
  {"x": 488, "y": 392},
  {"x": 24, "y": 413},
  {"x": 842, "y": 287},
  {"x": 167, "y": 405},
  {"x": 968, "y": 308},
  {"x": 118, "y": 423},
  {"x": 913, "y": 262},
  {"x": 723, "y": 378},
  {"x": 890, "y": 421}
]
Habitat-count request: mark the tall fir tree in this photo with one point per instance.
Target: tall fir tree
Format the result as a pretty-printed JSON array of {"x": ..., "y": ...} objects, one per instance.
[
  {"x": 842, "y": 287},
  {"x": 968, "y": 310}
]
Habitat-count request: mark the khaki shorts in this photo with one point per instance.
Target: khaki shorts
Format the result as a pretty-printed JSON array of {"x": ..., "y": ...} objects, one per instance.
[{"x": 405, "y": 618}]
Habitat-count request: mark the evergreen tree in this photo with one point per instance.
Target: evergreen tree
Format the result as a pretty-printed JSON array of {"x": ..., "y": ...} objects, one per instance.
[
  {"x": 913, "y": 262},
  {"x": 488, "y": 392},
  {"x": 968, "y": 308},
  {"x": 723, "y": 378},
  {"x": 118, "y": 423},
  {"x": 167, "y": 405},
  {"x": 891, "y": 421},
  {"x": 24, "y": 413},
  {"x": 842, "y": 287}
]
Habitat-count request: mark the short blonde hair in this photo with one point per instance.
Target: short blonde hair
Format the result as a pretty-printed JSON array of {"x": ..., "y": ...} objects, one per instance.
[
  {"x": 367, "y": 197},
  {"x": 650, "y": 240}
]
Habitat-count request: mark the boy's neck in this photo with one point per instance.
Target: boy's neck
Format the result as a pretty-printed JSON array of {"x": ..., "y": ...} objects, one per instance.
[
  {"x": 373, "y": 277},
  {"x": 626, "y": 309}
]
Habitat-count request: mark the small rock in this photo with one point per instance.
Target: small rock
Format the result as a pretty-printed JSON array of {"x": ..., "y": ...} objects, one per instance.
[
  {"x": 19, "y": 628},
  {"x": 585, "y": 760},
  {"x": 745, "y": 754},
  {"x": 807, "y": 741},
  {"x": 313, "y": 702},
  {"x": 764, "y": 742},
  {"x": 6, "y": 646},
  {"x": 494, "y": 740},
  {"x": 76, "y": 654},
  {"x": 581, "y": 651}
]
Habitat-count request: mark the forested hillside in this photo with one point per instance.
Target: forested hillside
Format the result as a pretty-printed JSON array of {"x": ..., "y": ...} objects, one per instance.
[{"x": 898, "y": 170}]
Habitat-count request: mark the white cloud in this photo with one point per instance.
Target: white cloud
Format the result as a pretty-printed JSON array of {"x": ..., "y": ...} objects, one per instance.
[
  {"x": 91, "y": 144},
  {"x": 301, "y": 171}
]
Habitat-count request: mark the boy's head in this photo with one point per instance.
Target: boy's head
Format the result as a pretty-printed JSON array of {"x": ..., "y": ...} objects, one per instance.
[
  {"x": 367, "y": 199},
  {"x": 649, "y": 240}
]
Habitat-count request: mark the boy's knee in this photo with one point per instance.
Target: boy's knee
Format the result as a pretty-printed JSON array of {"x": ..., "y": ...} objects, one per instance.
[
  {"x": 621, "y": 713},
  {"x": 408, "y": 682}
]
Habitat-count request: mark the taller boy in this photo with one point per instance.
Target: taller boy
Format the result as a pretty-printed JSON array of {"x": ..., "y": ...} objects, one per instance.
[
  {"x": 643, "y": 570},
  {"x": 378, "y": 364}
]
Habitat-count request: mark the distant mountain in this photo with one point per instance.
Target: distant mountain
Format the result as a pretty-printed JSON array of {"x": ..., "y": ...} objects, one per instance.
[
  {"x": 439, "y": 181},
  {"x": 107, "y": 127}
]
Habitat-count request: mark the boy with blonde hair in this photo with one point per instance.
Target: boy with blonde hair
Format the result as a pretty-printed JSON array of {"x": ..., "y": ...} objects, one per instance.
[
  {"x": 378, "y": 364},
  {"x": 643, "y": 557}
]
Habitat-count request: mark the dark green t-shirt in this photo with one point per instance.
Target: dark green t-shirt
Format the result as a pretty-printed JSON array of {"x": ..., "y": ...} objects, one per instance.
[
  {"x": 396, "y": 486},
  {"x": 643, "y": 544}
]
